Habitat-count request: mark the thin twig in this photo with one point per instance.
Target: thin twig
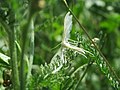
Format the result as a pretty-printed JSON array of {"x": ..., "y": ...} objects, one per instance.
[{"x": 84, "y": 73}]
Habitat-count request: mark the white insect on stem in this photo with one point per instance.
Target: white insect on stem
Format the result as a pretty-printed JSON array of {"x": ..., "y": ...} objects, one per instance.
[
  {"x": 66, "y": 44},
  {"x": 66, "y": 35}
]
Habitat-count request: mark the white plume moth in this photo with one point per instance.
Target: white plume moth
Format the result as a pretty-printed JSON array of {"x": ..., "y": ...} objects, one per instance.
[
  {"x": 66, "y": 35},
  {"x": 65, "y": 44}
]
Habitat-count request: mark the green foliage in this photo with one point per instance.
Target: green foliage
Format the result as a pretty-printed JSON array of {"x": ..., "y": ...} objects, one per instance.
[
  {"x": 4, "y": 60},
  {"x": 36, "y": 46}
]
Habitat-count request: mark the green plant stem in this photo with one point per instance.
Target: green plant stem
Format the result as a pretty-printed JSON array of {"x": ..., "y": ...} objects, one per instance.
[
  {"x": 84, "y": 73},
  {"x": 31, "y": 48},
  {"x": 22, "y": 62},
  {"x": 13, "y": 56},
  {"x": 28, "y": 32},
  {"x": 111, "y": 69},
  {"x": 14, "y": 63}
]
